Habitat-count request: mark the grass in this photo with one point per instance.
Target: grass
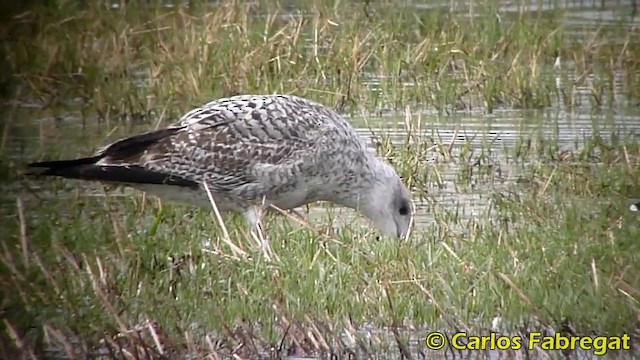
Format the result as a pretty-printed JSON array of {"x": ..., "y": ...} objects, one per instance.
[{"x": 128, "y": 276}]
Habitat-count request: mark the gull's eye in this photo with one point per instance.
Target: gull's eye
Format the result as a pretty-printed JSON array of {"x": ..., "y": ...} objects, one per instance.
[{"x": 404, "y": 210}]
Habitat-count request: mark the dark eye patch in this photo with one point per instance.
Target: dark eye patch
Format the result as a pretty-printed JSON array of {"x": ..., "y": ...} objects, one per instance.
[{"x": 404, "y": 209}]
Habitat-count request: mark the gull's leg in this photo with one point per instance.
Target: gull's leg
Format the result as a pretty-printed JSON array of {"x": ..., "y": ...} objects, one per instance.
[
  {"x": 253, "y": 214},
  {"x": 252, "y": 218}
]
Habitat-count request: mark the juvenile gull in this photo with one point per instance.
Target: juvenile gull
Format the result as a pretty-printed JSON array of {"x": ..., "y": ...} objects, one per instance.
[{"x": 252, "y": 151}]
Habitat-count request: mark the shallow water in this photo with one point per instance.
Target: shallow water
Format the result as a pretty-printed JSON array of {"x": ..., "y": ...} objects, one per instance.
[{"x": 494, "y": 134}]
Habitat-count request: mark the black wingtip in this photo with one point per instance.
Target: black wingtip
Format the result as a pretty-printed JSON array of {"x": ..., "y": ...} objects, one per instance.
[
  {"x": 86, "y": 169},
  {"x": 58, "y": 167}
]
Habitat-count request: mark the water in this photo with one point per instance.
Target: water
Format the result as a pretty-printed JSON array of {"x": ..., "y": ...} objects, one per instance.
[{"x": 492, "y": 134}]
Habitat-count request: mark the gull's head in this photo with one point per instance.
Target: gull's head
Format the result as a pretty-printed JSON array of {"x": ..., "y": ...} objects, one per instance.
[{"x": 387, "y": 202}]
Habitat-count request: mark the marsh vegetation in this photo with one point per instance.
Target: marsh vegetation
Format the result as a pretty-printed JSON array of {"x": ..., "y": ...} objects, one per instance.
[{"x": 516, "y": 128}]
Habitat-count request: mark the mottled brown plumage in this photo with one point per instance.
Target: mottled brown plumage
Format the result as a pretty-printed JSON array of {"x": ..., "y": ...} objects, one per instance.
[{"x": 283, "y": 150}]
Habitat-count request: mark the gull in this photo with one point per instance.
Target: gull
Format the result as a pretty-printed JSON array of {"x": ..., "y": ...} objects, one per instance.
[{"x": 247, "y": 153}]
